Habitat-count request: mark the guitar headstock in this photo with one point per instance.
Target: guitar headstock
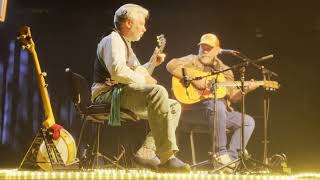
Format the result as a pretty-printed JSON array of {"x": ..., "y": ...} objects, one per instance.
[
  {"x": 161, "y": 42},
  {"x": 271, "y": 85},
  {"x": 25, "y": 38}
]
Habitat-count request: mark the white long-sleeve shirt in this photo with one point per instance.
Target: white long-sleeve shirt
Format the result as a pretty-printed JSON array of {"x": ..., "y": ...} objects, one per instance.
[{"x": 113, "y": 51}]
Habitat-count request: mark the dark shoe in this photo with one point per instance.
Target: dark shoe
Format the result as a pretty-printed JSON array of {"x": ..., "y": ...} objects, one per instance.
[
  {"x": 147, "y": 163},
  {"x": 174, "y": 165}
]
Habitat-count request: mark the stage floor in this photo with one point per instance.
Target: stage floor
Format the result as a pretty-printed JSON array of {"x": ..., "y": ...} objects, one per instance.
[{"x": 145, "y": 174}]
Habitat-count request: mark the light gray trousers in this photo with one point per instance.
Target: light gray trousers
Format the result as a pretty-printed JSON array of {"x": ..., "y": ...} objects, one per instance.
[{"x": 151, "y": 102}]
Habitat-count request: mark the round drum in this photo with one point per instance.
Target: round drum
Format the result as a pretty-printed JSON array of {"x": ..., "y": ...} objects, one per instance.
[{"x": 65, "y": 146}]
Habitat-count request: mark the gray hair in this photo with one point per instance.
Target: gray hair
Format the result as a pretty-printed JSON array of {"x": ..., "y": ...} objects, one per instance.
[{"x": 129, "y": 11}]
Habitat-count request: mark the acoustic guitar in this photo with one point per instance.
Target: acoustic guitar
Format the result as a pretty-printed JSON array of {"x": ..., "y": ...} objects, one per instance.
[
  {"x": 64, "y": 144},
  {"x": 191, "y": 95}
]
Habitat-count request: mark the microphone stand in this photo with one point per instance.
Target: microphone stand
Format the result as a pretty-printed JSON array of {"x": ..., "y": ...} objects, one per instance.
[
  {"x": 266, "y": 103},
  {"x": 242, "y": 155},
  {"x": 266, "y": 75},
  {"x": 212, "y": 158},
  {"x": 214, "y": 89}
]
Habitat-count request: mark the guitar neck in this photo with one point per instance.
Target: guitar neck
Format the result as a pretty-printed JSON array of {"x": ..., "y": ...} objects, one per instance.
[
  {"x": 161, "y": 48},
  {"x": 151, "y": 67},
  {"x": 238, "y": 83},
  {"x": 49, "y": 118},
  {"x": 24, "y": 37},
  {"x": 152, "y": 63},
  {"x": 161, "y": 44}
]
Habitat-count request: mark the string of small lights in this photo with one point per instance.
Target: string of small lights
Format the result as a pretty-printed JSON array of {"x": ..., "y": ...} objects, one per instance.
[{"x": 143, "y": 174}]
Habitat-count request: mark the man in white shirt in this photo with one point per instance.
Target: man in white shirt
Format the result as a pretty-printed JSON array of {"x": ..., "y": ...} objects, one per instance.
[{"x": 139, "y": 92}]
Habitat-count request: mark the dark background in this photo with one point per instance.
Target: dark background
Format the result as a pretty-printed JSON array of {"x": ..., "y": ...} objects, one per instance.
[{"x": 66, "y": 34}]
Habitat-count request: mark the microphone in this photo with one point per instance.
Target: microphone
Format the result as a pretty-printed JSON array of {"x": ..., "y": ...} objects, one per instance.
[
  {"x": 264, "y": 58},
  {"x": 184, "y": 80},
  {"x": 228, "y": 51},
  {"x": 267, "y": 57}
]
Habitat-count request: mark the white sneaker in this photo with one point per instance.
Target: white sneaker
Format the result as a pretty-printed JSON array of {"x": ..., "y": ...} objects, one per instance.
[{"x": 225, "y": 159}]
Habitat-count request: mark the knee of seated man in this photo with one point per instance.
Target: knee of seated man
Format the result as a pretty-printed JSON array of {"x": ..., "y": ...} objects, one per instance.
[
  {"x": 249, "y": 121},
  {"x": 175, "y": 107},
  {"x": 160, "y": 90},
  {"x": 221, "y": 105},
  {"x": 210, "y": 105}
]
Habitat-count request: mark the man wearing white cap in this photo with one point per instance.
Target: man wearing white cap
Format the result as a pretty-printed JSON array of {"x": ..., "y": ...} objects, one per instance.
[{"x": 207, "y": 61}]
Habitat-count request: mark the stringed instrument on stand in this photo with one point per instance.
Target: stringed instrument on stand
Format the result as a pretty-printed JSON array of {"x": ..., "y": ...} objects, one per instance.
[{"x": 53, "y": 148}]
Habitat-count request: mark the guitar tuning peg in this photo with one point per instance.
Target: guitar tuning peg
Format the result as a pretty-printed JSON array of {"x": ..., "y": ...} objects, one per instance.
[
  {"x": 25, "y": 46},
  {"x": 46, "y": 85},
  {"x": 22, "y": 36},
  {"x": 161, "y": 36},
  {"x": 44, "y": 74}
]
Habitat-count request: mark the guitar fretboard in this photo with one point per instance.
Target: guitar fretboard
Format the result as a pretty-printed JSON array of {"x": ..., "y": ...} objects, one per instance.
[{"x": 238, "y": 83}]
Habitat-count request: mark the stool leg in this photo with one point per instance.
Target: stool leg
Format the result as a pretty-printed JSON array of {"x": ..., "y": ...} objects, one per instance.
[
  {"x": 95, "y": 148},
  {"x": 98, "y": 144},
  {"x": 84, "y": 122},
  {"x": 193, "y": 154}
]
